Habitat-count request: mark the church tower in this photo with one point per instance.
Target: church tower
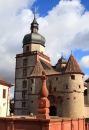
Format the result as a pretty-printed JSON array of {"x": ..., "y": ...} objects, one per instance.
[
  {"x": 33, "y": 49},
  {"x": 33, "y": 41}
]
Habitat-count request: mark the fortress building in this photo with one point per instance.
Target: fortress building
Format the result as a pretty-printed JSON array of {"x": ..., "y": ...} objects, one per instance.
[{"x": 65, "y": 83}]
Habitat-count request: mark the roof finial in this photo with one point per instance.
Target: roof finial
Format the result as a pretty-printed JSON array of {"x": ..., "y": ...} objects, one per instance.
[
  {"x": 62, "y": 54},
  {"x": 35, "y": 13},
  {"x": 71, "y": 52}
]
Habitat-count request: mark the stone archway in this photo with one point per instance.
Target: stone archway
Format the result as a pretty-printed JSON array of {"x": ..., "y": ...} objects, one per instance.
[{"x": 53, "y": 111}]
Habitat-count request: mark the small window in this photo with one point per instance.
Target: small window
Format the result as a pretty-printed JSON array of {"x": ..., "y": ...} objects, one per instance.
[
  {"x": 73, "y": 77},
  {"x": 4, "y": 93},
  {"x": 24, "y": 84},
  {"x": 79, "y": 86},
  {"x": 54, "y": 89},
  {"x": 25, "y": 72},
  {"x": 25, "y": 61},
  {"x": 31, "y": 88},
  {"x": 23, "y": 104},
  {"x": 23, "y": 112},
  {"x": 50, "y": 88},
  {"x": 85, "y": 92},
  {"x": 66, "y": 87},
  {"x": 32, "y": 80},
  {"x": 24, "y": 94},
  {"x": 27, "y": 48},
  {"x": 57, "y": 78}
]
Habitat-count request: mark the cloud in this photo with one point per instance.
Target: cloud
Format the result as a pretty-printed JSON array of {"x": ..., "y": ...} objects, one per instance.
[
  {"x": 65, "y": 28},
  {"x": 84, "y": 62},
  {"x": 15, "y": 20}
]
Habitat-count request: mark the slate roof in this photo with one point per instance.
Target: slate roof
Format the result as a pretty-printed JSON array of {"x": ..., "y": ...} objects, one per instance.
[
  {"x": 72, "y": 66},
  {"x": 62, "y": 60},
  {"x": 87, "y": 80},
  {"x": 37, "y": 70}
]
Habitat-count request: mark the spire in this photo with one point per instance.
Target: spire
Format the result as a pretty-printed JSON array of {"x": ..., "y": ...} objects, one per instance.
[
  {"x": 62, "y": 54},
  {"x": 35, "y": 15},
  {"x": 34, "y": 24}
]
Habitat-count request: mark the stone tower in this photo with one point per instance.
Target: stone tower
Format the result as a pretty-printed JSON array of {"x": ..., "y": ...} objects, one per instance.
[
  {"x": 33, "y": 49},
  {"x": 73, "y": 88}
]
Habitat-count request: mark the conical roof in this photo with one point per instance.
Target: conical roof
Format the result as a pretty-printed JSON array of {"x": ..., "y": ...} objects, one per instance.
[
  {"x": 72, "y": 66},
  {"x": 37, "y": 70}
]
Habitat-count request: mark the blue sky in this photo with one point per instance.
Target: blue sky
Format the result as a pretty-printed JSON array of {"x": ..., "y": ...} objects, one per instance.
[
  {"x": 44, "y": 7},
  {"x": 63, "y": 23}
]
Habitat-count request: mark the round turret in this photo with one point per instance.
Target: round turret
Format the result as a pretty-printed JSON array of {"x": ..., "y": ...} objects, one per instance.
[
  {"x": 61, "y": 64},
  {"x": 73, "y": 90}
]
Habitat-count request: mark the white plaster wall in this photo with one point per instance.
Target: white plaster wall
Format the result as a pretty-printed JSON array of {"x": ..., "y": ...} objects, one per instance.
[
  {"x": 34, "y": 47},
  {"x": 86, "y": 111},
  {"x": 73, "y": 102},
  {"x": 37, "y": 47},
  {"x": 4, "y": 102}
]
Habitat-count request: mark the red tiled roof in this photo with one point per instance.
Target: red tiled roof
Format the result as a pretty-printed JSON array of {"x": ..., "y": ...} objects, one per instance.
[
  {"x": 87, "y": 80},
  {"x": 40, "y": 66},
  {"x": 72, "y": 66},
  {"x": 2, "y": 82},
  {"x": 37, "y": 70}
]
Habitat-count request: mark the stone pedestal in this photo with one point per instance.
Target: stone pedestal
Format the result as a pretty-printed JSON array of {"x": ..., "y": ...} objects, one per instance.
[
  {"x": 43, "y": 103},
  {"x": 43, "y": 108}
]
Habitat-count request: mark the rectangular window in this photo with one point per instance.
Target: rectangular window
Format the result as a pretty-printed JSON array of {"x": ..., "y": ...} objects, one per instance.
[
  {"x": 66, "y": 87},
  {"x": 23, "y": 104},
  {"x": 4, "y": 93},
  {"x": 54, "y": 89},
  {"x": 24, "y": 84},
  {"x": 27, "y": 48},
  {"x": 25, "y": 61},
  {"x": 73, "y": 77},
  {"x": 25, "y": 72},
  {"x": 24, "y": 94}
]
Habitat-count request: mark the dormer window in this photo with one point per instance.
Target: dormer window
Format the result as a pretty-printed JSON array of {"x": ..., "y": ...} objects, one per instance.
[{"x": 73, "y": 77}]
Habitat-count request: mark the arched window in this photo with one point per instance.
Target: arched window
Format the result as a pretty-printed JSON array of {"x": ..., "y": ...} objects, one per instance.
[
  {"x": 25, "y": 61},
  {"x": 24, "y": 72},
  {"x": 24, "y": 83},
  {"x": 85, "y": 92}
]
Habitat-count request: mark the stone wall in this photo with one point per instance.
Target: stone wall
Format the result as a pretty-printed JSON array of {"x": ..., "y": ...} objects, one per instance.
[{"x": 31, "y": 123}]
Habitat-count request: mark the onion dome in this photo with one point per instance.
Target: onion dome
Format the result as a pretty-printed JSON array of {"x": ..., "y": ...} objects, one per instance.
[
  {"x": 62, "y": 60},
  {"x": 34, "y": 36}
]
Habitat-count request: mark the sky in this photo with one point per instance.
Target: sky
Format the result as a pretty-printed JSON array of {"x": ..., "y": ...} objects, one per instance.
[{"x": 63, "y": 23}]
